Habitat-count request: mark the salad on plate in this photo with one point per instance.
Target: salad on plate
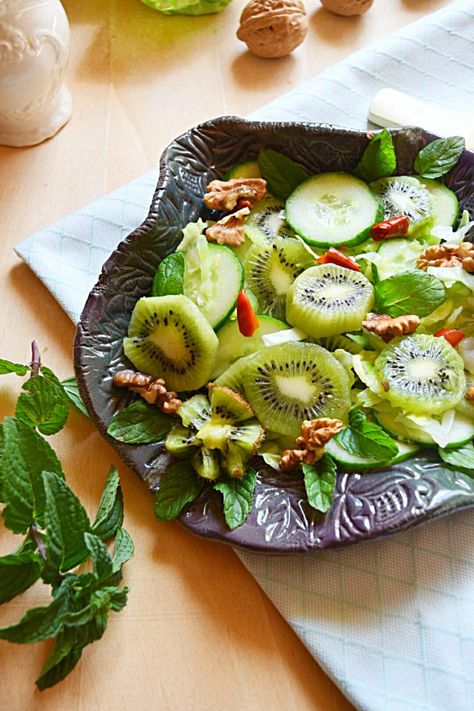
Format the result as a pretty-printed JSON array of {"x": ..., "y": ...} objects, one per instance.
[{"x": 321, "y": 322}]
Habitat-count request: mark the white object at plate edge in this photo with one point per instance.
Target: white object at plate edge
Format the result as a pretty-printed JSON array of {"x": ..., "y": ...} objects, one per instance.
[{"x": 394, "y": 108}]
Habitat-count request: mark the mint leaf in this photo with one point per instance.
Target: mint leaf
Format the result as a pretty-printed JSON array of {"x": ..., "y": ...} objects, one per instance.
[
  {"x": 412, "y": 292},
  {"x": 124, "y": 549},
  {"x": 109, "y": 516},
  {"x": 7, "y": 366},
  {"x": 178, "y": 486},
  {"x": 66, "y": 522},
  {"x": 37, "y": 624},
  {"x": 238, "y": 497},
  {"x": 18, "y": 571},
  {"x": 101, "y": 559},
  {"x": 72, "y": 391},
  {"x": 139, "y": 423},
  {"x": 319, "y": 482},
  {"x": 379, "y": 159},
  {"x": 366, "y": 439},
  {"x": 60, "y": 662},
  {"x": 169, "y": 276},
  {"x": 438, "y": 157},
  {"x": 281, "y": 173},
  {"x": 25, "y": 456},
  {"x": 44, "y": 404},
  {"x": 462, "y": 457}
]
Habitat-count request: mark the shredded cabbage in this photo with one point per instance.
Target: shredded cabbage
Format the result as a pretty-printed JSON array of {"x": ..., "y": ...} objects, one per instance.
[
  {"x": 454, "y": 237},
  {"x": 452, "y": 275},
  {"x": 201, "y": 265},
  {"x": 363, "y": 364},
  {"x": 289, "y": 334},
  {"x": 345, "y": 359},
  {"x": 466, "y": 351}
]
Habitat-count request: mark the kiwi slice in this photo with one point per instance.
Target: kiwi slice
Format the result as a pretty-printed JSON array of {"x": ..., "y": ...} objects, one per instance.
[
  {"x": 195, "y": 411},
  {"x": 422, "y": 374},
  {"x": 332, "y": 343},
  {"x": 271, "y": 268},
  {"x": 405, "y": 195},
  {"x": 180, "y": 440},
  {"x": 328, "y": 300},
  {"x": 292, "y": 382},
  {"x": 170, "y": 338},
  {"x": 206, "y": 463},
  {"x": 228, "y": 405},
  {"x": 267, "y": 221}
]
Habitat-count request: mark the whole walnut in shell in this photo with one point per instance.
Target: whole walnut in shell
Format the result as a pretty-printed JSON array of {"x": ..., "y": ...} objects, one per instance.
[
  {"x": 273, "y": 28},
  {"x": 347, "y": 7}
]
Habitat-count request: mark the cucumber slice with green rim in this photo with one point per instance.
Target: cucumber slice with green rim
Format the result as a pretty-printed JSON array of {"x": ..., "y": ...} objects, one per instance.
[
  {"x": 247, "y": 169},
  {"x": 332, "y": 209},
  {"x": 227, "y": 276},
  {"x": 445, "y": 202},
  {"x": 352, "y": 462},
  {"x": 232, "y": 345},
  {"x": 267, "y": 221},
  {"x": 400, "y": 427}
]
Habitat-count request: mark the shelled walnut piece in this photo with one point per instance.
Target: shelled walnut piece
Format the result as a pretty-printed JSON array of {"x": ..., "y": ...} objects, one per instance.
[
  {"x": 153, "y": 390},
  {"x": 469, "y": 396},
  {"x": 347, "y": 7},
  {"x": 309, "y": 446},
  {"x": 388, "y": 327},
  {"x": 273, "y": 28},
  {"x": 229, "y": 230},
  {"x": 442, "y": 255},
  {"x": 226, "y": 194}
]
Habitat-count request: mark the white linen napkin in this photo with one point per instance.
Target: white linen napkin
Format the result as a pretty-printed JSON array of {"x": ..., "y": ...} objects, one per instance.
[{"x": 391, "y": 621}]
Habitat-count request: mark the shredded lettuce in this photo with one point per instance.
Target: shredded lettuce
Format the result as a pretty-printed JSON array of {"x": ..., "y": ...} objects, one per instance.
[
  {"x": 466, "y": 351},
  {"x": 345, "y": 359},
  {"x": 402, "y": 259},
  {"x": 286, "y": 336},
  {"x": 363, "y": 364},
  {"x": 452, "y": 275},
  {"x": 201, "y": 265},
  {"x": 454, "y": 237}
]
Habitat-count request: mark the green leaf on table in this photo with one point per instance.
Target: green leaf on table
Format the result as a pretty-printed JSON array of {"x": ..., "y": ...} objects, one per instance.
[
  {"x": 462, "y": 457},
  {"x": 319, "y": 482},
  {"x": 123, "y": 551},
  {"x": 411, "y": 292},
  {"x": 139, "y": 423},
  {"x": 379, "y": 159},
  {"x": 66, "y": 522},
  {"x": 169, "y": 277},
  {"x": 238, "y": 497},
  {"x": 38, "y": 624},
  {"x": 7, "y": 366},
  {"x": 101, "y": 560},
  {"x": 72, "y": 391},
  {"x": 44, "y": 404},
  {"x": 18, "y": 571},
  {"x": 60, "y": 662},
  {"x": 282, "y": 174},
  {"x": 366, "y": 439},
  {"x": 109, "y": 516},
  {"x": 25, "y": 456},
  {"x": 179, "y": 485},
  {"x": 439, "y": 157}
]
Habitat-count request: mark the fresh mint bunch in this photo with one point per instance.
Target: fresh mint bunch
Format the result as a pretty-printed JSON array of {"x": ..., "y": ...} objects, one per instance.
[
  {"x": 378, "y": 159},
  {"x": 57, "y": 533}
]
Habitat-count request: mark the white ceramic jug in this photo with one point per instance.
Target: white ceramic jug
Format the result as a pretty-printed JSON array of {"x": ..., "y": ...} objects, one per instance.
[{"x": 34, "y": 48}]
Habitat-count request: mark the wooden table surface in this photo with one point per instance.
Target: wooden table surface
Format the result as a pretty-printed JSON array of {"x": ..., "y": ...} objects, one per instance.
[{"x": 197, "y": 632}]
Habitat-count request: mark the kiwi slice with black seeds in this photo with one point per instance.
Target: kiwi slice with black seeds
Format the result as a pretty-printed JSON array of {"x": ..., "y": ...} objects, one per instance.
[
  {"x": 271, "y": 268},
  {"x": 328, "y": 300},
  {"x": 332, "y": 343},
  {"x": 169, "y": 338},
  {"x": 292, "y": 382},
  {"x": 422, "y": 374},
  {"x": 180, "y": 440},
  {"x": 228, "y": 405},
  {"x": 195, "y": 411},
  {"x": 267, "y": 221},
  {"x": 406, "y": 195}
]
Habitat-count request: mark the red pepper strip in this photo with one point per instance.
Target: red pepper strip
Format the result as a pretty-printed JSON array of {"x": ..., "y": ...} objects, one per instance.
[
  {"x": 452, "y": 335},
  {"x": 334, "y": 256},
  {"x": 393, "y": 227},
  {"x": 248, "y": 322}
]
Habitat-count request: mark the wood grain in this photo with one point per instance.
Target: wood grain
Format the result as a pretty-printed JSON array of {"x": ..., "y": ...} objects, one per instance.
[{"x": 197, "y": 633}]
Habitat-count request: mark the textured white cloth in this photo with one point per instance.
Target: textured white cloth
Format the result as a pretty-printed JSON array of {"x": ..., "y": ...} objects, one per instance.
[{"x": 390, "y": 621}]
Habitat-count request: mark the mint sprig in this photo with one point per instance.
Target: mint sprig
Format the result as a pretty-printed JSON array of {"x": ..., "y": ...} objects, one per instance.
[
  {"x": 169, "y": 277},
  {"x": 439, "y": 157},
  {"x": 238, "y": 497},
  {"x": 58, "y": 535},
  {"x": 462, "y": 457},
  {"x": 411, "y": 292},
  {"x": 71, "y": 389},
  {"x": 139, "y": 423},
  {"x": 379, "y": 159},
  {"x": 282, "y": 174},
  {"x": 320, "y": 482},
  {"x": 178, "y": 486},
  {"x": 366, "y": 439}
]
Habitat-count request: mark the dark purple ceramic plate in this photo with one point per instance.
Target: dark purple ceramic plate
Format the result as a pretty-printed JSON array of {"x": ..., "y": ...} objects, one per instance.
[{"x": 365, "y": 507}]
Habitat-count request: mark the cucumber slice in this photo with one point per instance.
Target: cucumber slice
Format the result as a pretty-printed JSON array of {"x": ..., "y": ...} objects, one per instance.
[
  {"x": 247, "y": 169},
  {"x": 402, "y": 428},
  {"x": 352, "y": 462},
  {"x": 332, "y": 209},
  {"x": 227, "y": 277},
  {"x": 445, "y": 202},
  {"x": 232, "y": 345}
]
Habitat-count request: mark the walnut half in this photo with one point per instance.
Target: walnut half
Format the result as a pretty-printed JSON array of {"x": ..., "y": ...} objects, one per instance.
[
  {"x": 225, "y": 194},
  {"x": 229, "y": 230},
  {"x": 153, "y": 390},
  {"x": 387, "y": 327},
  {"x": 309, "y": 446},
  {"x": 442, "y": 255}
]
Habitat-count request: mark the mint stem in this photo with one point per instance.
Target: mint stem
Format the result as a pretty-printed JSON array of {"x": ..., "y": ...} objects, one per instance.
[
  {"x": 35, "y": 359},
  {"x": 38, "y": 541}
]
